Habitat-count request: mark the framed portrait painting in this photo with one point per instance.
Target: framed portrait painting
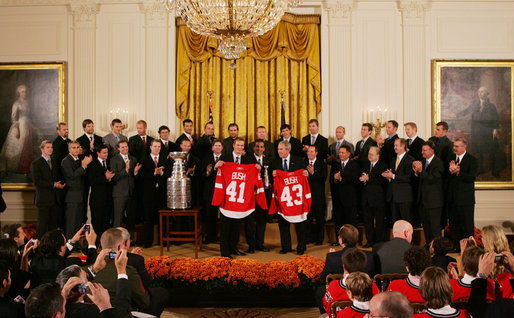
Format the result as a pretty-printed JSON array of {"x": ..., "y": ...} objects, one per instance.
[
  {"x": 475, "y": 98},
  {"x": 32, "y": 103}
]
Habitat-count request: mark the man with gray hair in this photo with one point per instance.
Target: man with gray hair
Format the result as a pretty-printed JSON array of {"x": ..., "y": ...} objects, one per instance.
[
  {"x": 390, "y": 304},
  {"x": 136, "y": 259},
  {"x": 390, "y": 254}
]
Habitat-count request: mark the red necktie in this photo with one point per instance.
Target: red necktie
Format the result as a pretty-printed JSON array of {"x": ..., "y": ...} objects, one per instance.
[
  {"x": 144, "y": 140},
  {"x": 155, "y": 161}
]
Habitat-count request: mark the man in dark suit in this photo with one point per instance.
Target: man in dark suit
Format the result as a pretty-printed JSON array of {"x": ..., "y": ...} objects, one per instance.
[
  {"x": 187, "y": 126},
  {"x": 389, "y": 255},
  {"x": 346, "y": 178},
  {"x": 60, "y": 144},
  {"x": 154, "y": 172},
  {"x": 46, "y": 179},
  {"x": 209, "y": 172},
  {"x": 430, "y": 195},
  {"x": 362, "y": 147},
  {"x": 461, "y": 192},
  {"x": 399, "y": 174},
  {"x": 74, "y": 172},
  {"x": 228, "y": 143},
  {"x": 193, "y": 166},
  {"x": 256, "y": 222},
  {"x": 204, "y": 144},
  {"x": 285, "y": 135},
  {"x": 100, "y": 200},
  {"x": 125, "y": 168},
  {"x": 315, "y": 139},
  {"x": 89, "y": 140},
  {"x": 414, "y": 142},
  {"x": 348, "y": 237},
  {"x": 387, "y": 145},
  {"x": 269, "y": 149},
  {"x": 317, "y": 177},
  {"x": 167, "y": 145},
  {"x": 114, "y": 137},
  {"x": 8, "y": 307},
  {"x": 373, "y": 197},
  {"x": 288, "y": 162}
]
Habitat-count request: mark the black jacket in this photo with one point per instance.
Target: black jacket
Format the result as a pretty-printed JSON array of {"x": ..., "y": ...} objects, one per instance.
[
  {"x": 101, "y": 188},
  {"x": 361, "y": 155},
  {"x": 321, "y": 143},
  {"x": 461, "y": 188},
  {"x": 138, "y": 149},
  {"x": 374, "y": 190},
  {"x": 400, "y": 188},
  {"x": 60, "y": 149},
  {"x": 295, "y": 163},
  {"x": 296, "y": 146},
  {"x": 349, "y": 184},
  {"x": 85, "y": 143},
  {"x": 389, "y": 256},
  {"x": 430, "y": 190},
  {"x": 478, "y": 307},
  {"x": 415, "y": 148},
  {"x": 317, "y": 181},
  {"x": 387, "y": 151},
  {"x": 44, "y": 179},
  {"x": 334, "y": 264}
]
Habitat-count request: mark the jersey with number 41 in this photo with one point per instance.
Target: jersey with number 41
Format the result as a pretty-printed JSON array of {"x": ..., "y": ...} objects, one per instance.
[
  {"x": 237, "y": 188},
  {"x": 291, "y": 196}
]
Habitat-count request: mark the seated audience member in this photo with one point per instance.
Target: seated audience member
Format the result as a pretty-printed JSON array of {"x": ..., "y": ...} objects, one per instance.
[
  {"x": 14, "y": 232},
  {"x": 135, "y": 259},
  {"x": 435, "y": 288},
  {"x": 54, "y": 252},
  {"x": 439, "y": 247},
  {"x": 495, "y": 241},
  {"x": 8, "y": 306},
  {"x": 354, "y": 260},
  {"x": 390, "y": 304},
  {"x": 348, "y": 236},
  {"x": 416, "y": 259},
  {"x": 88, "y": 252},
  {"x": 360, "y": 292},
  {"x": 20, "y": 277},
  {"x": 462, "y": 286},
  {"x": 45, "y": 301},
  {"x": 389, "y": 254},
  {"x": 477, "y": 304},
  {"x": 73, "y": 279},
  {"x": 144, "y": 300}
]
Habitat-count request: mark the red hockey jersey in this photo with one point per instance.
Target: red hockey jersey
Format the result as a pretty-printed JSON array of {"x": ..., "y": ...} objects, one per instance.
[
  {"x": 462, "y": 289},
  {"x": 237, "y": 188},
  {"x": 291, "y": 196},
  {"x": 438, "y": 313},
  {"x": 354, "y": 311},
  {"x": 406, "y": 287},
  {"x": 337, "y": 292},
  {"x": 505, "y": 287}
]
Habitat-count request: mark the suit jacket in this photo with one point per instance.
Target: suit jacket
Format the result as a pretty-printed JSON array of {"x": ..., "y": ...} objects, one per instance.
[
  {"x": 154, "y": 187},
  {"x": 204, "y": 146},
  {"x": 400, "y": 188},
  {"x": 461, "y": 188},
  {"x": 10, "y": 308},
  {"x": 85, "y": 143},
  {"x": 166, "y": 149},
  {"x": 138, "y": 149},
  {"x": 479, "y": 307},
  {"x": 430, "y": 190},
  {"x": 348, "y": 186},
  {"x": 317, "y": 181},
  {"x": 373, "y": 191},
  {"x": 44, "y": 179},
  {"x": 295, "y": 163},
  {"x": 208, "y": 179},
  {"x": 321, "y": 143},
  {"x": 250, "y": 159},
  {"x": 415, "y": 148},
  {"x": 182, "y": 137},
  {"x": 387, "y": 150},
  {"x": 269, "y": 149},
  {"x": 443, "y": 149},
  {"x": 334, "y": 264},
  {"x": 138, "y": 262},
  {"x": 101, "y": 188},
  {"x": 112, "y": 143},
  {"x": 60, "y": 150},
  {"x": 46, "y": 268},
  {"x": 75, "y": 177},
  {"x": 228, "y": 146},
  {"x": 389, "y": 256},
  {"x": 333, "y": 150},
  {"x": 296, "y": 146},
  {"x": 123, "y": 182},
  {"x": 361, "y": 155}
]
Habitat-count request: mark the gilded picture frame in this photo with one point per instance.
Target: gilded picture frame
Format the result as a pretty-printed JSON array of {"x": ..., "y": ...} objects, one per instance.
[
  {"x": 475, "y": 98},
  {"x": 32, "y": 103}
]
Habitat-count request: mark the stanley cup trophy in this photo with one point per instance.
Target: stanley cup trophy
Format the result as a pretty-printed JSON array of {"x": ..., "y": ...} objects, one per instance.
[{"x": 179, "y": 185}]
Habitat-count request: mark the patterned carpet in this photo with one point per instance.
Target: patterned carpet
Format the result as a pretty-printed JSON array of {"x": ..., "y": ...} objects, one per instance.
[{"x": 241, "y": 313}]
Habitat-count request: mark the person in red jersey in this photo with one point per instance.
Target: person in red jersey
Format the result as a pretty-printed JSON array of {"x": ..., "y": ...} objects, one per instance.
[
  {"x": 435, "y": 287},
  {"x": 360, "y": 292},
  {"x": 416, "y": 260}
]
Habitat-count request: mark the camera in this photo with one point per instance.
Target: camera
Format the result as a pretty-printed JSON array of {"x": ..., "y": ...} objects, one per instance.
[
  {"x": 84, "y": 289},
  {"x": 112, "y": 255},
  {"x": 87, "y": 228},
  {"x": 498, "y": 258}
]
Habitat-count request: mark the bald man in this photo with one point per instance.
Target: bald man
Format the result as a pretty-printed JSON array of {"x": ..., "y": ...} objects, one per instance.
[
  {"x": 390, "y": 304},
  {"x": 390, "y": 254}
]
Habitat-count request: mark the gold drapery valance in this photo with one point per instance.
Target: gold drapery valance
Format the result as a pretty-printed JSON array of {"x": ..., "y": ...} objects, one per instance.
[{"x": 286, "y": 58}]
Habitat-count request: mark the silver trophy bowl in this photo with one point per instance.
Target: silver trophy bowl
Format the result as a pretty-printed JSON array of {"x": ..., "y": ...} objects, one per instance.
[{"x": 178, "y": 185}]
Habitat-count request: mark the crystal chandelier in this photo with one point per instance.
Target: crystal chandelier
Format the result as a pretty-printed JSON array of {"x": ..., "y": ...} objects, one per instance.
[{"x": 231, "y": 21}]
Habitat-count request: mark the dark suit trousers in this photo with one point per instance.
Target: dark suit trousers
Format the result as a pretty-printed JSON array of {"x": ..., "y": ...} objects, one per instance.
[
  {"x": 209, "y": 221},
  {"x": 229, "y": 234},
  {"x": 336, "y": 209},
  {"x": 431, "y": 219},
  {"x": 250, "y": 231},
  {"x": 316, "y": 232},
  {"x": 151, "y": 211},
  {"x": 285, "y": 234},
  {"x": 158, "y": 299},
  {"x": 74, "y": 217},
  {"x": 48, "y": 218},
  {"x": 121, "y": 205},
  {"x": 374, "y": 224},
  {"x": 461, "y": 222},
  {"x": 100, "y": 217},
  {"x": 261, "y": 219},
  {"x": 402, "y": 211}
]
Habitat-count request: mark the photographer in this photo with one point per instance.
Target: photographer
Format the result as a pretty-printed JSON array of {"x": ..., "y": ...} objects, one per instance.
[
  {"x": 75, "y": 286},
  {"x": 8, "y": 306}
]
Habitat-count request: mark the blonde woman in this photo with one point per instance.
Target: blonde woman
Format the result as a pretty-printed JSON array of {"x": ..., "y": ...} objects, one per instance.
[{"x": 495, "y": 241}]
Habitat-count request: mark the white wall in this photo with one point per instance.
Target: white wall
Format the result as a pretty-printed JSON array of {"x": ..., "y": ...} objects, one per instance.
[{"x": 121, "y": 53}]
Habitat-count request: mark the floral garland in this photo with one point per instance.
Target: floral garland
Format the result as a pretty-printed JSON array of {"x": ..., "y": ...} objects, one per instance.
[{"x": 222, "y": 272}]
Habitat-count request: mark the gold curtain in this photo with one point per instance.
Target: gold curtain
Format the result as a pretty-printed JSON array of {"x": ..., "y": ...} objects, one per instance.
[{"x": 286, "y": 58}]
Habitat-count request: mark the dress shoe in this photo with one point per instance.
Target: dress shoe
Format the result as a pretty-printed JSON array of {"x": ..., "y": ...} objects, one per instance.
[
  {"x": 368, "y": 245},
  {"x": 319, "y": 243},
  {"x": 335, "y": 244},
  {"x": 238, "y": 253},
  {"x": 228, "y": 256},
  {"x": 250, "y": 251},
  {"x": 282, "y": 251},
  {"x": 262, "y": 249},
  {"x": 300, "y": 252}
]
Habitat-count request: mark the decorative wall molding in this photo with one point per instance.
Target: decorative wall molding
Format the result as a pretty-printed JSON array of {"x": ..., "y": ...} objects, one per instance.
[
  {"x": 154, "y": 11},
  {"x": 340, "y": 10},
  {"x": 84, "y": 12},
  {"x": 72, "y": 2},
  {"x": 413, "y": 9}
]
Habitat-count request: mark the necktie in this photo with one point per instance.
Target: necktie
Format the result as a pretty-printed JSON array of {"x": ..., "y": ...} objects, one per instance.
[
  {"x": 457, "y": 161},
  {"x": 190, "y": 139},
  {"x": 397, "y": 163},
  {"x": 362, "y": 144},
  {"x": 166, "y": 145},
  {"x": 144, "y": 140},
  {"x": 259, "y": 161},
  {"x": 286, "y": 168},
  {"x": 310, "y": 163},
  {"x": 103, "y": 164},
  {"x": 49, "y": 163},
  {"x": 237, "y": 159},
  {"x": 410, "y": 141},
  {"x": 90, "y": 138},
  {"x": 117, "y": 138},
  {"x": 342, "y": 165},
  {"x": 426, "y": 164},
  {"x": 338, "y": 145},
  {"x": 155, "y": 161},
  {"x": 371, "y": 166},
  {"x": 313, "y": 140},
  {"x": 216, "y": 158},
  {"x": 125, "y": 158}
]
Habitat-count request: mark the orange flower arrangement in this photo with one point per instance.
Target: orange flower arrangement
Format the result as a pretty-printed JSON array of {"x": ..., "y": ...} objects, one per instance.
[
  {"x": 281, "y": 273},
  {"x": 309, "y": 266},
  {"x": 246, "y": 270}
]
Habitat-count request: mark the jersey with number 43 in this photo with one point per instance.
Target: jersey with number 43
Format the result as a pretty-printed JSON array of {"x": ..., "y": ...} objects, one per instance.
[
  {"x": 291, "y": 196},
  {"x": 237, "y": 188}
]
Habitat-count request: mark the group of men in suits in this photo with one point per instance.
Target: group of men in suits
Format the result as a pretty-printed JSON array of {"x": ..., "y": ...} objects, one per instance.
[{"x": 384, "y": 179}]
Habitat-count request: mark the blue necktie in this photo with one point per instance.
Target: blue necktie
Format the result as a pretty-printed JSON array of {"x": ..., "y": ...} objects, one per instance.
[
  {"x": 426, "y": 164},
  {"x": 285, "y": 165}
]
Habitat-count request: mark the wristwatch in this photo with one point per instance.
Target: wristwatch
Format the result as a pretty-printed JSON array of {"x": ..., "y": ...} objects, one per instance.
[{"x": 481, "y": 275}]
